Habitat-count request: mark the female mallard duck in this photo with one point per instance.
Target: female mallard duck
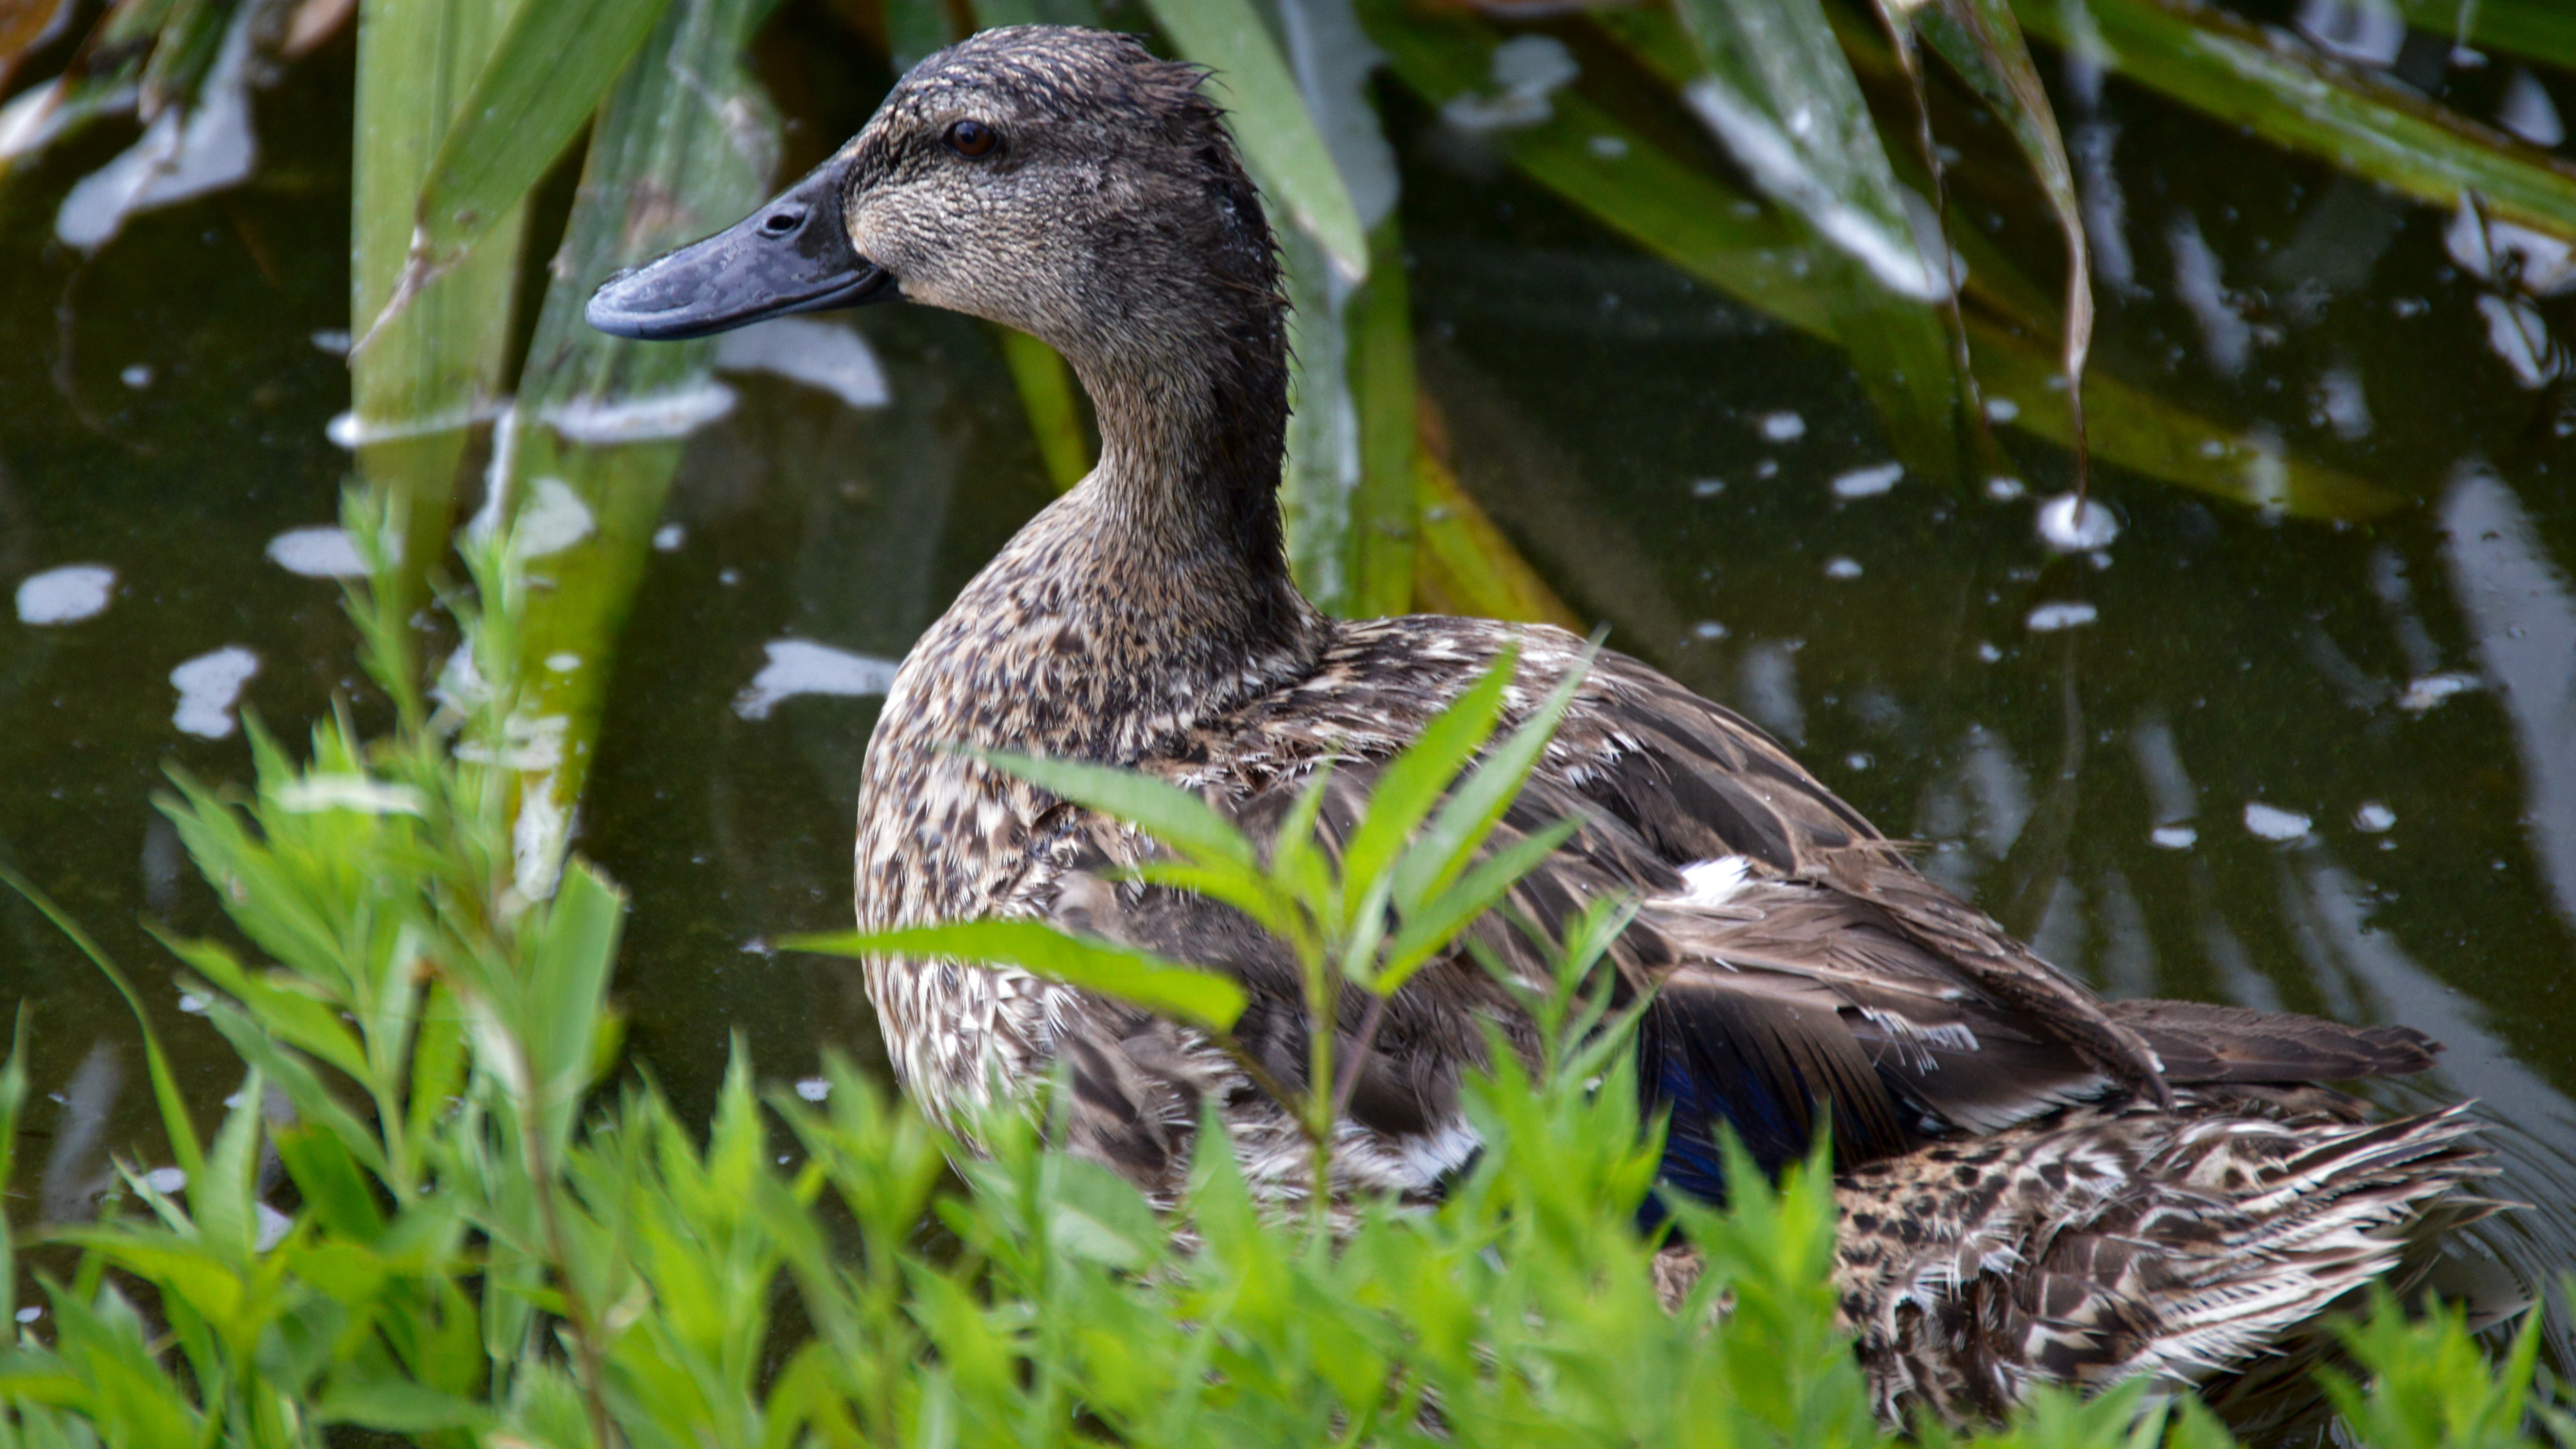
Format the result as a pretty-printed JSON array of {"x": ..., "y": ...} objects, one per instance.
[{"x": 2038, "y": 1185}]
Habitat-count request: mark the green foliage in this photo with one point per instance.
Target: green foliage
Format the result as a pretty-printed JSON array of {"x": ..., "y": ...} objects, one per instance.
[{"x": 483, "y": 1251}]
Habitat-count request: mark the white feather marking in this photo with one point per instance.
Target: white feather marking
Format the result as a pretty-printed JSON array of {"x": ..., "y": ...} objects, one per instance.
[{"x": 1708, "y": 884}]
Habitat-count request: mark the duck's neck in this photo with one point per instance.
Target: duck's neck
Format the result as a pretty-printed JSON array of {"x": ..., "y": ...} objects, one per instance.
[{"x": 1157, "y": 594}]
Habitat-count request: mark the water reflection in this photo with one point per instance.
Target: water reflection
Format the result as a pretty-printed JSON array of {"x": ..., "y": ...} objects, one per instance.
[
  {"x": 2523, "y": 619},
  {"x": 2236, "y": 759}
]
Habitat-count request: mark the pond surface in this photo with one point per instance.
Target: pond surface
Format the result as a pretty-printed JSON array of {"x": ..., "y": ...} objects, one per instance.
[{"x": 2316, "y": 766}]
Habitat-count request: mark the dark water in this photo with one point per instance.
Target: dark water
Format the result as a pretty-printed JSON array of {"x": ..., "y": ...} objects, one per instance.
[{"x": 2396, "y": 700}]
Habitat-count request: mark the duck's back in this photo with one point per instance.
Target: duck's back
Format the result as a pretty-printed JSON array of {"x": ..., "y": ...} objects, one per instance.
[{"x": 1797, "y": 962}]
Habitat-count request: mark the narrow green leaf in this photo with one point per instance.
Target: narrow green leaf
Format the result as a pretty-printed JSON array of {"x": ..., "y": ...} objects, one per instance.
[
  {"x": 417, "y": 377},
  {"x": 537, "y": 90},
  {"x": 1201, "y": 998},
  {"x": 1984, "y": 45},
  {"x": 1167, "y": 812},
  {"x": 1430, "y": 928},
  {"x": 1280, "y": 142},
  {"x": 13, "y": 1098},
  {"x": 1247, "y": 890},
  {"x": 1472, "y": 810},
  {"x": 328, "y": 1178},
  {"x": 2294, "y": 97},
  {"x": 165, "y": 1085},
  {"x": 1414, "y": 781},
  {"x": 398, "y": 1406},
  {"x": 1381, "y": 363}
]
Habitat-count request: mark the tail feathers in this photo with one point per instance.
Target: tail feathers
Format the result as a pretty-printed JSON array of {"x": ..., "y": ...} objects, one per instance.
[
  {"x": 2120, "y": 1241},
  {"x": 2201, "y": 1044}
]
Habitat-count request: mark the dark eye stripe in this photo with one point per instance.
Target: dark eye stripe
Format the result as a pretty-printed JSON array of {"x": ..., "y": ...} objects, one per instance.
[{"x": 970, "y": 138}]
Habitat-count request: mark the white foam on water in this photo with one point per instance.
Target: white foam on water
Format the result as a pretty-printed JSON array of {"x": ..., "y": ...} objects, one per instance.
[
  {"x": 554, "y": 520},
  {"x": 1526, "y": 70},
  {"x": 2063, "y": 614},
  {"x": 308, "y": 794},
  {"x": 186, "y": 153},
  {"x": 652, "y": 418},
  {"x": 1842, "y": 568},
  {"x": 2271, "y": 822},
  {"x": 319, "y": 552},
  {"x": 209, "y": 686},
  {"x": 65, "y": 595},
  {"x": 825, "y": 355},
  {"x": 2173, "y": 837},
  {"x": 2426, "y": 691},
  {"x": 2373, "y": 817},
  {"x": 1868, "y": 482},
  {"x": 801, "y": 666},
  {"x": 1783, "y": 427},
  {"x": 2070, "y": 525}
]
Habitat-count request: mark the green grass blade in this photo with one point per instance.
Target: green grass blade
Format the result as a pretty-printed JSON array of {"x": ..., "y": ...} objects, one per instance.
[
  {"x": 1280, "y": 141},
  {"x": 1984, "y": 45},
  {"x": 1049, "y": 395},
  {"x": 165, "y": 1085},
  {"x": 13, "y": 1098},
  {"x": 2354, "y": 121},
  {"x": 1201, "y": 998},
  {"x": 533, "y": 95}
]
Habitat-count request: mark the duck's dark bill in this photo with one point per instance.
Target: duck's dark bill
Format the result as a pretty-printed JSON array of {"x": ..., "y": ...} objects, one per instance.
[{"x": 792, "y": 255}]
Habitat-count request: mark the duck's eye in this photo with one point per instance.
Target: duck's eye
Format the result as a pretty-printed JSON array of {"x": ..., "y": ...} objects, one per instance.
[{"x": 971, "y": 138}]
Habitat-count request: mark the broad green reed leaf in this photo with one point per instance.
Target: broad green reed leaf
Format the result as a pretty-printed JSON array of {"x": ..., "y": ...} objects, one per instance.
[
  {"x": 2295, "y": 98},
  {"x": 1686, "y": 216},
  {"x": 1463, "y": 563},
  {"x": 2544, "y": 30},
  {"x": 544, "y": 78},
  {"x": 1777, "y": 91},
  {"x": 1048, "y": 396},
  {"x": 1381, "y": 363},
  {"x": 1281, "y": 144},
  {"x": 685, "y": 143},
  {"x": 421, "y": 376},
  {"x": 1201, "y": 998}
]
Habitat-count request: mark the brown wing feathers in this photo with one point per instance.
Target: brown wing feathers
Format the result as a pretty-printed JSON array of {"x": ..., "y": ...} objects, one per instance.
[{"x": 1836, "y": 975}]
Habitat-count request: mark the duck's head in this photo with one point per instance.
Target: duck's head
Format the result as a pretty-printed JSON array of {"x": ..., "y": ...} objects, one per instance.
[{"x": 1061, "y": 181}]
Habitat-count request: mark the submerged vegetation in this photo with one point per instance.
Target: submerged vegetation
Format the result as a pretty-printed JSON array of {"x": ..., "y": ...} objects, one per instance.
[{"x": 491, "y": 1244}]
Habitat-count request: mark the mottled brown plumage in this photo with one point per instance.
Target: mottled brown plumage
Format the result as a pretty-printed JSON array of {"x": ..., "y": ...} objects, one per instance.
[{"x": 2038, "y": 1186}]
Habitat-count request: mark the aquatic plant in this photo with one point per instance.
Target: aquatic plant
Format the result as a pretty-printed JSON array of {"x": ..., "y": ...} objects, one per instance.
[{"x": 467, "y": 1237}]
